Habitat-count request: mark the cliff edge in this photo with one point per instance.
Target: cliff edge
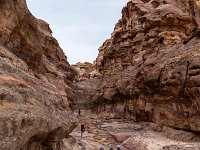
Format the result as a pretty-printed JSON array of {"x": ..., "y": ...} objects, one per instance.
[{"x": 35, "y": 80}]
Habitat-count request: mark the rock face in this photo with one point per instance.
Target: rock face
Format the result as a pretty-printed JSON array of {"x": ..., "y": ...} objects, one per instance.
[
  {"x": 85, "y": 70},
  {"x": 85, "y": 85},
  {"x": 35, "y": 80},
  {"x": 150, "y": 65},
  {"x": 84, "y": 93}
]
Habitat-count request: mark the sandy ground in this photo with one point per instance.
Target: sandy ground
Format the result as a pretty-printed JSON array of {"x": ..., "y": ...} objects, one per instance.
[{"x": 130, "y": 135}]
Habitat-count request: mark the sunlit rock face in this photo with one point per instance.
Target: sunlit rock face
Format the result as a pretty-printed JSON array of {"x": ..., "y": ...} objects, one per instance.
[
  {"x": 35, "y": 80},
  {"x": 150, "y": 65}
]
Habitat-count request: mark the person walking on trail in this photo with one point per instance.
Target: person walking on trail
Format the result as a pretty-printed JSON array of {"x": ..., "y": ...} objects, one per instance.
[
  {"x": 118, "y": 147},
  {"x": 79, "y": 111},
  {"x": 82, "y": 130},
  {"x": 111, "y": 148}
]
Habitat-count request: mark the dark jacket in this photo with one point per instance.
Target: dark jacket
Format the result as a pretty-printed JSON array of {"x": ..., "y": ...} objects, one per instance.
[{"x": 82, "y": 128}]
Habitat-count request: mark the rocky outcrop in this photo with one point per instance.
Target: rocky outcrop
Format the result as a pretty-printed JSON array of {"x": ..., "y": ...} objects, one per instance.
[
  {"x": 35, "y": 80},
  {"x": 85, "y": 70},
  {"x": 85, "y": 85},
  {"x": 150, "y": 65},
  {"x": 85, "y": 90}
]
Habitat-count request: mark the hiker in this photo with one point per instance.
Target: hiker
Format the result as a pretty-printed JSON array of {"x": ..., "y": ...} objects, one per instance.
[
  {"x": 79, "y": 111},
  {"x": 111, "y": 147},
  {"x": 82, "y": 130},
  {"x": 118, "y": 147}
]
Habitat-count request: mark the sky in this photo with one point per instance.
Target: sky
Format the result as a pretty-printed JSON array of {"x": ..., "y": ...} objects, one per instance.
[{"x": 80, "y": 26}]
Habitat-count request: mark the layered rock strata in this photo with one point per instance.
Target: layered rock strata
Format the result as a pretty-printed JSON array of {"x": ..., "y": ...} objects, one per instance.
[
  {"x": 84, "y": 93},
  {"x": 150, "y": 65},
  {"x": 85, "y": 70},
  {"x": 85, "y": 85},
  {"x": 35, "y": 80}
]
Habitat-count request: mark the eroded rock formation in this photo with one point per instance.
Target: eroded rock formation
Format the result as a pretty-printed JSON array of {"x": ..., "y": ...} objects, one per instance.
[
  {"x": 150, "y": 65},
  {"x": 85, "y": 70},
  {"x": 35, "y": 80},
  {"x": 85, "y": 85}
]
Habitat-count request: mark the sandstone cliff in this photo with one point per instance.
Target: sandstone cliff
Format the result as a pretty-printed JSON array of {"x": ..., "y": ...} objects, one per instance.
[
  {"x": 150, "y": 65},
  {"x": 35, "y": 80},
  {"x": 84, "y": 70},
  {"x": 87, "y": 82}
]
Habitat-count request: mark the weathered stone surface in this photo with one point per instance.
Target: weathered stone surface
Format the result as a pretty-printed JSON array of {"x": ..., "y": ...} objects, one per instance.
[
  {"x": 85, "y": 85},
  {"x": 103, "y": 132},
  {"x": 35, "y": 80},
  {"x": 85, "y": 89},
  {"x": 85, "y": 70},
  {"x": 150, "y": 65}
]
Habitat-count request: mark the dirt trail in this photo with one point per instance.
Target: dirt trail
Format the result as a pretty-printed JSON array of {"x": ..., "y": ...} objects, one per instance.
[{"x": 130, "y": 135}]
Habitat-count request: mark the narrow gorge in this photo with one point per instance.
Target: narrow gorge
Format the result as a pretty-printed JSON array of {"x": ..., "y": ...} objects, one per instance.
[
  {"x": 149, "y": 72},
  {"x": 142, "y": 92}
]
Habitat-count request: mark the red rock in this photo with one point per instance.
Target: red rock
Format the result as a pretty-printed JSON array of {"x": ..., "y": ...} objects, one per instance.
[
  {"x": 35, "y": 80},
  {"x": 150, "y": 65},
  {"x": 85, "y": 70}
]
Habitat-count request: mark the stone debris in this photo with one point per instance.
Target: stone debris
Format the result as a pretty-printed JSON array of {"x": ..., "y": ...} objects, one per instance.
[{"x": 129, "y": 135}]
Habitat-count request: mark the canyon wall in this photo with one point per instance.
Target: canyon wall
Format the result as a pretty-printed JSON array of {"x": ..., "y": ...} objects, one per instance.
[
  {"x": 35, "y": 82},
  {"x": 85, "y": 85},
  {"x": 151, "y": 65}
]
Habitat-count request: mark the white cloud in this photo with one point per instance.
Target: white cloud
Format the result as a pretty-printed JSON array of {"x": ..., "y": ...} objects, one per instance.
[{"x": 80, "y": 26}]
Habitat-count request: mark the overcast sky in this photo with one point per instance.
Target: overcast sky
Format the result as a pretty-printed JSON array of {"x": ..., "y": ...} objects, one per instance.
[{"x": 80, "y": 26}]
